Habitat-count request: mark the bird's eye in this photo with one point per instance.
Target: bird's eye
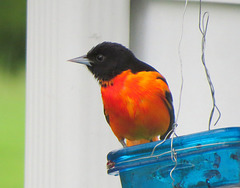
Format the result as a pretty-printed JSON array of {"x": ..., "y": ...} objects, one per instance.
[{"x": 100, "y": 58}]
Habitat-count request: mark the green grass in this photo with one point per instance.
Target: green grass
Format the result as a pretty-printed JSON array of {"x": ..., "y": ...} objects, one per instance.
[{"x": 12, "y": 119}]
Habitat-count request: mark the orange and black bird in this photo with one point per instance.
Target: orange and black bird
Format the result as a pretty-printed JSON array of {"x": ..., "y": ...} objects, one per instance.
[{"x": 137, "y": 101}]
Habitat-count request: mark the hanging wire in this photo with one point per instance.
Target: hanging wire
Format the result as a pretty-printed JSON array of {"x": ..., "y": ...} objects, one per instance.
[
  {"x": 173, "y": 152},
  {"x": 180, "y": 61},
  {"x": 160, "y": 143},
  {"x": 174, "y": 159},
  {"x": 203, "y": 26},
  {"x": 175, "y": 124}
]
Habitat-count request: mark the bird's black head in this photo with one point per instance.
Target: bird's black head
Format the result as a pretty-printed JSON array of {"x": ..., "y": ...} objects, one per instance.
[{"x": 106, "y": 60}]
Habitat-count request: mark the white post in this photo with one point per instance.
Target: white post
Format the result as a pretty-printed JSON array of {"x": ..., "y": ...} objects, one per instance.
[{"x": 67, "y": 138}]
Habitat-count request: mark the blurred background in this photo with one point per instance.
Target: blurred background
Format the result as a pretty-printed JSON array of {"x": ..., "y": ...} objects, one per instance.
[{"x": 12, "y": 92}]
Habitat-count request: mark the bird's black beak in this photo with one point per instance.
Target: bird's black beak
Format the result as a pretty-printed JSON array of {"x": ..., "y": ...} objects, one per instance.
[{"x": 83, "y": 60}]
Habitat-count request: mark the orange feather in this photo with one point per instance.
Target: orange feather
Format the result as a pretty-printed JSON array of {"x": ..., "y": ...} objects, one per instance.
[{"x": 136, "y": 106}]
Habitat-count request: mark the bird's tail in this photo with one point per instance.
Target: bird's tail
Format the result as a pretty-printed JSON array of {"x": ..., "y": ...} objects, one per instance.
[{"x": 141, "y": 141}]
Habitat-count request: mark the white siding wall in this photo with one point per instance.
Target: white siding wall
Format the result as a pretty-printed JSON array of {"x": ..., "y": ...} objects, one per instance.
[
  {"x": 155, "y": 35},
  {"x": 67, "y": 138}
]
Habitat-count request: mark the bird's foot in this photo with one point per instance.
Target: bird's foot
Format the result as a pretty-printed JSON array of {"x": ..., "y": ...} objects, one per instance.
[{"x": 123, "y": 143}]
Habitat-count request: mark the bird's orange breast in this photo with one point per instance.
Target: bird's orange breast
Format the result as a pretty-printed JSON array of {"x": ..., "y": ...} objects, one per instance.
[{"x": 136, "y": 105}]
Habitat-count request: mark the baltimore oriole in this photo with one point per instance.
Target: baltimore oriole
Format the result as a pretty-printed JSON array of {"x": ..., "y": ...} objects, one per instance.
[{"x": 136, "y": 97}]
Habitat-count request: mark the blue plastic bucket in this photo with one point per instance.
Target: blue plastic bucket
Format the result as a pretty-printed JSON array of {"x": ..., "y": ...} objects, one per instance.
[{"x": 206, "y": 159}]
